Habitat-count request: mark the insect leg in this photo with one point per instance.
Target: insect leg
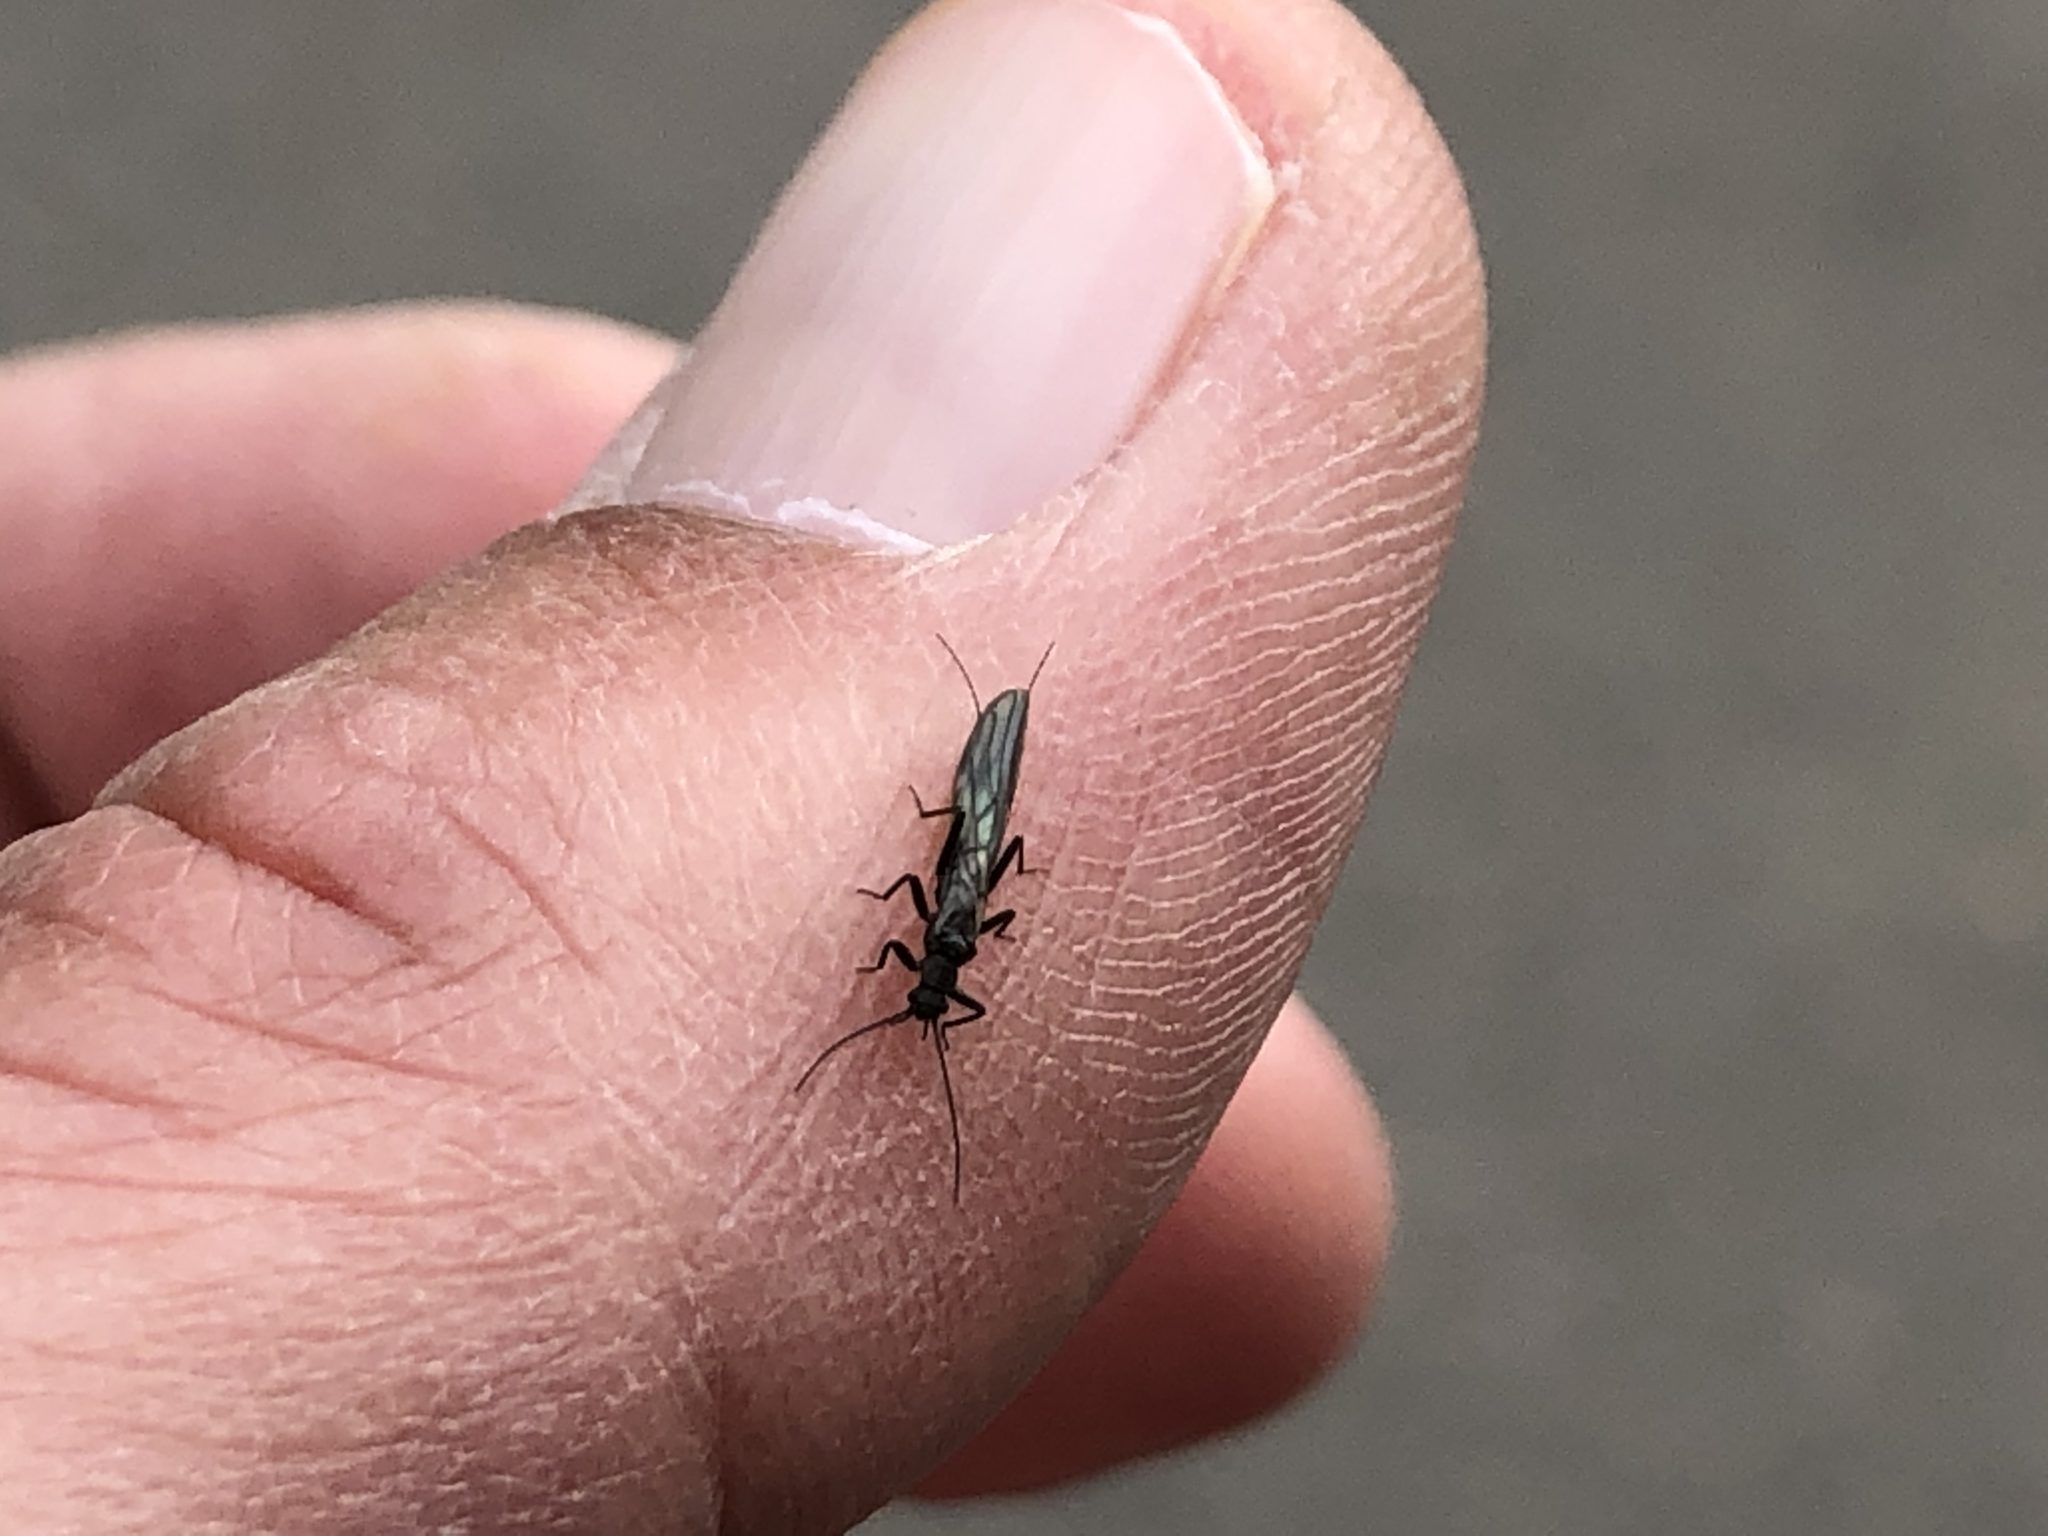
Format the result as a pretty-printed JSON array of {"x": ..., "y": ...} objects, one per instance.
[
  {"x": 965, "y": 1002},
  {"x": 952, "y": 832},
  {"x": 929, "y": 812},
  {"x": 845, "y": 1040},
  {"x": 894, "y": 947},
  {"x": 1013, "y": 854},
  {"x": 997, "y": 927},
  {"x": 917, "y": 897}
]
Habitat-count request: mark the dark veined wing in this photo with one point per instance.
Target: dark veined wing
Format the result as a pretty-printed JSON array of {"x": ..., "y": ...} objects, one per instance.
[{"x": 983, "y": 786}]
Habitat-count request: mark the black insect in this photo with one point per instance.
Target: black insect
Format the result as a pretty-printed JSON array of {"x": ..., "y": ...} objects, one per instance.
[{"x": 972, "y": 861}]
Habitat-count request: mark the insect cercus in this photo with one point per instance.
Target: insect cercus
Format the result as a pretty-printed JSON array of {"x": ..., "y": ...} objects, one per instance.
[{"x": 973, "y": 859}]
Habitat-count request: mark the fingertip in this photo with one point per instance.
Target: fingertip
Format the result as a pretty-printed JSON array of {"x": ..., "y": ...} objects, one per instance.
[
  {"x": 232, "y": 499},
  {"x": 1252, "y": 1287},
  {"x": 1288, "y": 1214}
]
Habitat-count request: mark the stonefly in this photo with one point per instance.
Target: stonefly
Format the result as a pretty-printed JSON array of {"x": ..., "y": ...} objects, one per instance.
[{"x": 972, "y": 861}]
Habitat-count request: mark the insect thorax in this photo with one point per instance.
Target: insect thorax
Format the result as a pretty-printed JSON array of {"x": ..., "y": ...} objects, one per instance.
[
  {"x": 936, "y": 977},
  {"x": 950, "y": 941}
]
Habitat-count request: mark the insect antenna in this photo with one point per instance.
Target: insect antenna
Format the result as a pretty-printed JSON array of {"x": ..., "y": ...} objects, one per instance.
[
  {"x": 845, "y": 1040},
  {"x": 962, "y": 667},
  {"x": 952, "y": 1109},
  {"x": 1039, "y": 668}
]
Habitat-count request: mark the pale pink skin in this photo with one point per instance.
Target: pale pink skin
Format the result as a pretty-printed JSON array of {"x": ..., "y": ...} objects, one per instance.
[{"x": 395, "y": 1124}]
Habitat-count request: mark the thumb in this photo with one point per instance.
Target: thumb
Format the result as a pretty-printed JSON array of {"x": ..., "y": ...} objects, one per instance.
[{"x": 429, "y": 1017}]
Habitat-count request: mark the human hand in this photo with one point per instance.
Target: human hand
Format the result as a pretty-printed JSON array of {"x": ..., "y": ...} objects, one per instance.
[{"x": 395, "y": 1125}]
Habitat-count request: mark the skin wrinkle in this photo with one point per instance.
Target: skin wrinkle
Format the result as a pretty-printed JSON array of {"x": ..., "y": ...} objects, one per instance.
[
  {"x": 87, "y": 1088},
  {"x": 532, "y": 890},
  {"x": 162, "y": 1239},
  {"x": 322, "y": 887},
  {"x": 75, "y": 931},
  {"x": 309, "y": 1043},
  {"x": 87, "y": 1160},
  {"x": 426, "y": 948},
  {"x": 233, "y": 1128},
  {"x": 406, "y": 982},
  {"x": 248, "y": 1014},
  {"x": 351, "y": 1202}
]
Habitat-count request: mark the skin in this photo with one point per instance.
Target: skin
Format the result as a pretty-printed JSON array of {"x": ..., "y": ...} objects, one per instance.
[{"x": 394, "y": 1125}]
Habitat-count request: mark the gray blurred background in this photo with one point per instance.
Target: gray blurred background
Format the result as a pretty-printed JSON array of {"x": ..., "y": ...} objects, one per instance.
[{"x": 1695, "y": 946}]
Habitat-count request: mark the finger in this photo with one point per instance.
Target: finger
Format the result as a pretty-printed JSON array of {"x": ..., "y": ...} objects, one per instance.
[
  {"x": 425, "y": 1019},
  {"x": 190, "y": 512},
  {"x": 1253, "y": 1284}
]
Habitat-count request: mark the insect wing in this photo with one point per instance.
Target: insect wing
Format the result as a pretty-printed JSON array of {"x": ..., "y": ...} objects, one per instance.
[{"x": 986, "y": 781}]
